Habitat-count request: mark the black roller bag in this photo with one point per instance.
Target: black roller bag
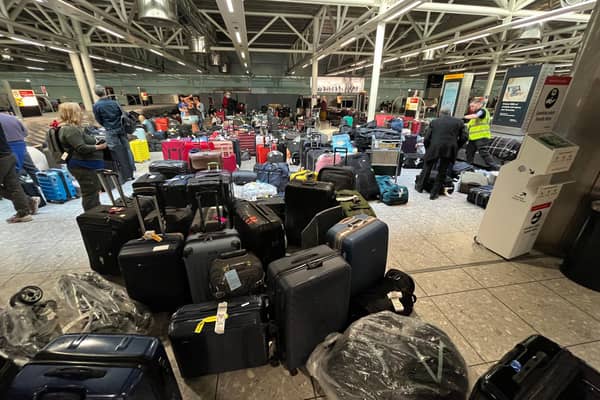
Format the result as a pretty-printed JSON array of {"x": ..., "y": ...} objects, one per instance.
[
  {"x": 261, "y": 230},
  {"x": 277, "y": 204},
  {"x": 342, "y": 177},
  {"x": 174, "y": 191},
  {"x": 206, "y": 184},
  {"x": 244, "y": 342},
  {"x": 98, "y": 366},
  {"x": 538, "y": 369},
  {"x": 303, "y": 200},
  {"x": 105, "y": 229},
  {"x": 311, "y": 291},
  {"x": 366, "y": 184},
  {"x": 153, "y": 270},
  {"x": 169, "y": 168},
  {"x": 480, "y": 195},
  {"x": 234, "y": 274},
  {"x": 177, "y": 220}
]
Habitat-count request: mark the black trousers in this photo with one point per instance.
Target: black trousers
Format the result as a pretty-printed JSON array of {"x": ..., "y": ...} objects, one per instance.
[
  {"x": 90, "y": 187},
  {"x": 481, "y": 146},
  {"x": 441, "y": 176},
  {"x": 10, "y": 187}
]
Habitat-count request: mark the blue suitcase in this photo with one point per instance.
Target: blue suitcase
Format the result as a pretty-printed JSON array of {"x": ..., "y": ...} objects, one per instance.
[
  {"x": 52, "y": 186},
  {"x": 95, "y": 367},
  {"x": 363, "y": 242},
  {"x": 67, "y": 181}
]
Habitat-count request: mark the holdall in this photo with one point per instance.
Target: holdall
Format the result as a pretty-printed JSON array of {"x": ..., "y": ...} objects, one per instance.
[
  {"x": 173, "y": 191},
  {"x": 98, "y": 366},
  {"x": 538, "y": 369},
  {"x": 276, "y": 174},
  {"x": 275, "y": 156},
  {"x": 342, "y": 177},
  {"x": 480, "y": 195},
  {"x": 353, "y": 203},
  {"x": 366, "y": 183},
  {"x": 153, "y": 268},
  {"x": 391, "y": 193},
  {"x": 303, "y": 200},
  {"x": 473, "y": 179},
  {"x": 169, "y": 168},
  {"x": 243, "y": 343},
  {"x": 203, "y": 160},
  {"x": 363, "y": 242},
  {"x": 394, "y": 292},
  {"x": 304, "y": 175},
  {"x": 106, "y": 228},
  {"x": 311, "y": 291},
  {"x": 447, "y": 187},
  {"x": 234, "y": 274},
  {"x": 241, "y": 177},
  {"x": 261, "y": 230}
]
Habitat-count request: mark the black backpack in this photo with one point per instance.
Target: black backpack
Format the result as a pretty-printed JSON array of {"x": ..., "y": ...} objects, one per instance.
[
  {"x": 55, "y": 147},
  {"x": 128, "y": 122}
]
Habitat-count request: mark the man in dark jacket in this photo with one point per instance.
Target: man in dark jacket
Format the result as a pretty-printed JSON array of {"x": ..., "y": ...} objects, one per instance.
[
  {"x": 108, "y": 114},
  {"x": 445, "y": 136}
]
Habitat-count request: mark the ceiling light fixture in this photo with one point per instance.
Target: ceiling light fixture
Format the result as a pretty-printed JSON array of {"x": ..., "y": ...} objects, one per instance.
[
  {"x": 126, "y": 65},
  {"x": 411, "y": 69},
  {"x": 304, "y": 66},
  {"x": 36, "y": 60},
  {"x": 27, "y": 41},
  {"x": 243, "y": 55},
  {"x": 526, "y": 49},
  {"x": 472, "y": 38},
  {"x": 321, "y": 57},
  {"x": 96, "y": 57},
  {"x": 158, "y": 53},
  {"x": 238, "y": 37},
  {"x": 347, "y": 42},
  {"x": 390, "y": 60},
  {"x": 181, "y": 63},
  {"x": 111, "y": 32},
  {"x": 61, "y": 49},
  {"x": 229, "y": 5},
  {"x": 403, "y": 11},
  {"x": 245, "y": 65},
  {"x": 199, "y": 71},
  {"x": 112, "y": 61},
  {"x": 36, "y": 68}
]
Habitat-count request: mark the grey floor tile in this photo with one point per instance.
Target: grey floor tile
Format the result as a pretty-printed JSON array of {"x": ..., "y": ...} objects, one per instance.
[
  {"x": 589, "y": 352},
  {"x": 444, "y": 282},
  {"x": 586, "y": 299},
  {"x": 549, "y": 314},
  {"x": 264, "y": 383},
  {"x": 203, "y": 388},
  {"x": 498, "y": 274},
  {"x": 540, "y": 268},
  {"x": 422, "y": 255},
  {"x": 488, "y": 325},
  {"x": 426, "y": 310},
  {"x": 461, "y": 248}
]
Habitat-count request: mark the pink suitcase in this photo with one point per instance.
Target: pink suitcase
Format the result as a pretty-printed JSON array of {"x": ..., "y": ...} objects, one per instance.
[
  {"x": 328, "y": 160},
  {"x": 228, "y": 159}
]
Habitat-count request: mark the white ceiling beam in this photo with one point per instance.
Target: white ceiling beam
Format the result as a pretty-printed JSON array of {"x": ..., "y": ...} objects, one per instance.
[
  {"x": 287, "y": 51},
  {"x": 355, "y": 3},
  {"x": 263, "y": 14},
  {"x": 235, "y": 21},
  {"x": 263, "y": 30}
]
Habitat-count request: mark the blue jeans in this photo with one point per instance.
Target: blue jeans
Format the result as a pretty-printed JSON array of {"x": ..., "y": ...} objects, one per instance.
[{"x": 121, "y": 153}]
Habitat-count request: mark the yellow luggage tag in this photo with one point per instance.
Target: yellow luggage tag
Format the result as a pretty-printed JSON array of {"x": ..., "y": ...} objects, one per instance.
[
  {"x": 218, "y": 320},
  {"x": 151, "y": 235}
]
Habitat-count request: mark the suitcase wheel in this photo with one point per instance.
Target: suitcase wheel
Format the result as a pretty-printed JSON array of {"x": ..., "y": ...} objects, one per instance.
[{"x": 29, "y": 295}]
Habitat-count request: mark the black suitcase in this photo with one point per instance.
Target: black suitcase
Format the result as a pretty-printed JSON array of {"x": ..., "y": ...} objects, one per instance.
[
  {"x": 8, "y": 371},
  {"x": 105, "y": 229},
  {"x": 480, "y": 195},
  {"x": 303, "y": 200},
  {"x": 174, "y": 191},
  {"x": 150, "y": 180},
  {"x": 277, "y": 204},
  {"x": 342, "y": 177},
  {"x": 169, "y": 168},
  {"x": 538, "y": 369},
  {"x": 311, "y": 294},
  {"x": 236, "y": 273},
  {"x": 98, "y": 366},
  {"x": 261, "y": 230},
  {"x": 244, "y": 342},
  {"x": 206, "y": 184},
  {"x": 242, "y": 177},
  {"x": 177, "y": 220},
  {"x": 153, "y": 271},
  {"x": 366, "y": 183},
  {"x": 363, "y": 242}
]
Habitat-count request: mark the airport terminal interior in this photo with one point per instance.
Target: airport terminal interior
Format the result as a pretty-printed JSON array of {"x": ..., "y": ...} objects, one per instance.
[{"x": 299, "y": 199}]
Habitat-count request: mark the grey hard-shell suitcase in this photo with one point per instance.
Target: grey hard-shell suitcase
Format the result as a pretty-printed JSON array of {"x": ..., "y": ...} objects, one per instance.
[{"x": 363, "y": 242}]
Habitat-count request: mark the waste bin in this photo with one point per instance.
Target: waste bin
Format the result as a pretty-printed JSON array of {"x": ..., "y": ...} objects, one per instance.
[{"x": 582, "y": 264}]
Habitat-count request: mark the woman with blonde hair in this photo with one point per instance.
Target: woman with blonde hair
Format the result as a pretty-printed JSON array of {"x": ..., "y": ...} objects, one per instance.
[{"x": 84, "y": 154}]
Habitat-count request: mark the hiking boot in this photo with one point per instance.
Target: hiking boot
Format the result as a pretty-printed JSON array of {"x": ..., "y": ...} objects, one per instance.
[
  {"x": 34, "y": 204},
  {"x": 15, "y": 219}
]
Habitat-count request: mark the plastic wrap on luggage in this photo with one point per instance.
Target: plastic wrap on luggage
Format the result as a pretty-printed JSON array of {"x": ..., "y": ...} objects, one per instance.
[
  {"x": 255, "y": 190},
  {"x": 100, "y": 307},
  {"x": 388, "y": 356}
]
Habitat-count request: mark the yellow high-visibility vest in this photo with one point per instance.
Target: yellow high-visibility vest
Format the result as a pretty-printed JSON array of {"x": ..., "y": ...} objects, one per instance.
[{"x": 479, "y": 128}]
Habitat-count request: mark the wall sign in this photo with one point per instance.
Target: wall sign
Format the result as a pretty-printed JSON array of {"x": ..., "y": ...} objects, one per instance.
[
  {"x": 329, "y": 84},
  {"x": 25, "y": 98},
  {"x": 549, "y": 104}
]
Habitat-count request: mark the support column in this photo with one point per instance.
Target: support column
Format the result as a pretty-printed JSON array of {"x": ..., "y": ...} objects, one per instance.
[
  {"x": 81, "y": 82},
  {"x": 376, "y": 71},
  {"x": 578, "y": 123},
  {"x": 315, "y": 64},
  {"x": 85, "y": 60},
  {"x": 491, "y": 78}
]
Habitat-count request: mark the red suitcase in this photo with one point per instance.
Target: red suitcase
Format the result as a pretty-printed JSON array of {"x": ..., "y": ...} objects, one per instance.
[
  {"x": 228, "y": 158},
  {"x": 247, "y": 142},
  {"x": 415, "y": 128},
  {"x": 172, "y": 149},
  {"x": 189, "y": 146},
  {"x": 262, "y": 153}
]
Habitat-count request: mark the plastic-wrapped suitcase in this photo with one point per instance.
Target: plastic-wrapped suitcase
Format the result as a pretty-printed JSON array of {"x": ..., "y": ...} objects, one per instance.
[
  {"x": 311, "y": 296},
  {"x": 236, "y": 273},
  {"x": 538, "y": 369},
  {"x": 261, "y": 230},
  {"x": 169, "y": 168},
  {"x": 363, "y": 242},
  {"x": 98, "y": 366},
  {"x": 173, "y": 191},
  {"x": 303, "y": 201},
  {"x": 243, "y": 343},
  {"x": 106, "y": 228},
  {"x": 153, "y": 269}
]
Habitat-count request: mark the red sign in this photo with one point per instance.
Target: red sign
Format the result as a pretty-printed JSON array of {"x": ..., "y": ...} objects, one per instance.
[
  {"x": 541, "y": 206},
  {"x": 26, "y": 93},
  {"x": 558, "y": 80}
]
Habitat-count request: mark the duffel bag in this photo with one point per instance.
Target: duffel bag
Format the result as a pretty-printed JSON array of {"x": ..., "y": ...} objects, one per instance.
[{"x": 236, "y": 273}]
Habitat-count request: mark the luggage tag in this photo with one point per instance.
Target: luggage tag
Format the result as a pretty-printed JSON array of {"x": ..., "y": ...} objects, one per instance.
[
  {"x": 221, "y": 317},
  {"x": 233, "y": 279},
  {"x": 64, "y": 156},
  {"x": 395, "y": 299},
  {"x": 151, "y": 235}
]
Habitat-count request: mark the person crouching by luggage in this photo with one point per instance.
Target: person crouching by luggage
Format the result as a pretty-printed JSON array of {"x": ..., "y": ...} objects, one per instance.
[
  {"x": 480, "y": 134},
  {"x": 84, "y": 154},
  {"x": 10, "y": 186},
  {"x": 444, "y": 137}
]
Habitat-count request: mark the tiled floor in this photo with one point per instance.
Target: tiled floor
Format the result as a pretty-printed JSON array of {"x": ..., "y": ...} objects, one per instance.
[{"x": 485, "y": 304}]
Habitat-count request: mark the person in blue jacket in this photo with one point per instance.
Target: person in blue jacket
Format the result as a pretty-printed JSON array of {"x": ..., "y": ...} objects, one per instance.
[{"x": 108, "y": 114}]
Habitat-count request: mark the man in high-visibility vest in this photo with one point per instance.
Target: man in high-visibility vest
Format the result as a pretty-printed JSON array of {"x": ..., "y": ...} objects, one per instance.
[{"x": 480, "y": 134}]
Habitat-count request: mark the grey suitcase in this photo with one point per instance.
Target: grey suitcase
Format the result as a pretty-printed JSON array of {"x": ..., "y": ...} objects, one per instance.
[{"x": 363, "y": 242}]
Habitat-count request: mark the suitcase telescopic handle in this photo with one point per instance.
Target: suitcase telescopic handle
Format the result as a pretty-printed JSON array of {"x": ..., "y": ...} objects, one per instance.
[
  {"x": 217, "y": 206},
  {"x": 103, "y": 175},
  {"x": 152, "y": 193},
  {"x": 341, "y": 150}
]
